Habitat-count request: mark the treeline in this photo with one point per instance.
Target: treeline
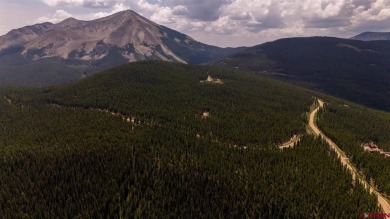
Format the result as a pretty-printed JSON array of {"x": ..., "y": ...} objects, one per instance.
[{"x": 349, "y": 126}]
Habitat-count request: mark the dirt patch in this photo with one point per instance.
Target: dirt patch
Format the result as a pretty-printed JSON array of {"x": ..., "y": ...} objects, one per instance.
[
  {"x": 290, "y": 143},
  {"x": 212, "y": 80}
]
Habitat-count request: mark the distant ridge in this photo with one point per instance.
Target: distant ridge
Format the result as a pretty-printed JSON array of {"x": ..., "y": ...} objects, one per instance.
[
  {"x": 351, "y": 69},
  {"x": 371, "y": 36}
]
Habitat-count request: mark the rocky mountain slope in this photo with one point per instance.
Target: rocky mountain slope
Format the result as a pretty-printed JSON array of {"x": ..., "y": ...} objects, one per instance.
[{"x": 84, "y": 47}]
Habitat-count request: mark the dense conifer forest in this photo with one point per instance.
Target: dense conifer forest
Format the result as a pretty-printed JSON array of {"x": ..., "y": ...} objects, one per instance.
[
  {"x": 350, "y": 125},
  {"x": 350, "y": 69},
  {"x": 70, "y": 151}
]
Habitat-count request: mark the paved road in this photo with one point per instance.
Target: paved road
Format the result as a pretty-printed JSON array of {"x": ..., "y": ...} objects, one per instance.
[{"x": 344, "y": 160}]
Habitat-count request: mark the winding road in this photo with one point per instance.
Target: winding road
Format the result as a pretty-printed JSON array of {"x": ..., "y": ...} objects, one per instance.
[
  {"x": 382, "y": 201},
  {"x": 344, "y": 159}
]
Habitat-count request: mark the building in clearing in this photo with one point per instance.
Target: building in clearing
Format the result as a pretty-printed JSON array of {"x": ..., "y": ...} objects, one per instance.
[
  {"x": 370, "y": 147},
  {"x": 206, "y": 113},
  {"x": 210, "y": 79},
  {"x": 373, "y": 147}
]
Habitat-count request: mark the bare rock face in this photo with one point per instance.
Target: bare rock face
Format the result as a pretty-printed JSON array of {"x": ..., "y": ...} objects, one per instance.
[
  {"x": 47, "y": 53},
  {"x": 136, "y": 37},
  {"x": 22, "y": 35},
  {"x": 70, "y": 23}
]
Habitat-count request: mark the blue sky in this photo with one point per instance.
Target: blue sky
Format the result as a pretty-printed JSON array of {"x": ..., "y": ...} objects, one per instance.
[{"x": 217, "y": 22}]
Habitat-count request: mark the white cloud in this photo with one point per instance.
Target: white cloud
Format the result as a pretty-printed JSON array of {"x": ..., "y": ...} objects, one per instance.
[
  {"x": 244, "y": 21},
  {"x": 58, "y": 16},
  {"x": 58, "y": 2},
  {"x": 232, "y": 16},
  {"x": 180, "y": 10},
  {"x": 322, "y": 9},
  {"x": 80, "y": 3},
  {"x": 163, "y": 16},
  {"x": 116, "y": 8},
  {"x": 61, "y": 15},
  {"x": 224, "y": 26},
  {"x": 374, "y": 16},
  {"x": 3, "y": 30},
  {"x": 145, "y": 6},
  {"x": 383, "y": 14}
]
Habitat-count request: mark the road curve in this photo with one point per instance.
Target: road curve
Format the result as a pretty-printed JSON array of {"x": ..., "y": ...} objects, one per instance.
[
  {"x": 290, "y": 143},
  {"x": 344, "y": 159}
]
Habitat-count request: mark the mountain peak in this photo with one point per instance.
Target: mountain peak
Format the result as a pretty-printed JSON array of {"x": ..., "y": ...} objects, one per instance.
[
  {"x": 70, "y": 22},
  {"x": 70, "y": 19},
  {"x": 126, "y": 12},
  {"x": 100, "y": 44},
  {"x": 370, "y": 36},
  {"x": 19, "y": 36},
  {"x": 122, "y": 16}
]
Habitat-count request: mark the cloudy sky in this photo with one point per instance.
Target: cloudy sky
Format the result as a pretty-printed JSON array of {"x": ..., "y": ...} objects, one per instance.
[{"x": 217, "y": 22}]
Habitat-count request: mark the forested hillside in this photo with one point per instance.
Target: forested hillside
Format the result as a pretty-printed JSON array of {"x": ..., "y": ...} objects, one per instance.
[
  {"x": 350, "y": 125},
  {"x": 189, "y": 149},
  {"x": 351, "y": 69},
  {"x": 241, "y": 109}
]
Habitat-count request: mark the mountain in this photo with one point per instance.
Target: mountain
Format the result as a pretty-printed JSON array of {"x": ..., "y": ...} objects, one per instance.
[
  {"x": 132, "y": 142},
  {"x": 57, "y": 53},
  {"x": 371, "y": 36},
  {"x": 354, "y": 70},
  {"x": 23, "y": 35}
]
